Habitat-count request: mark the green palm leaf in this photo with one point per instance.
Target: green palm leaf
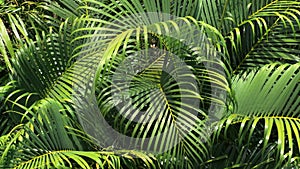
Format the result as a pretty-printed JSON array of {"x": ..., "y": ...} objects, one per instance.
[
  {"x": 47, "y": 141},
  {"x": 159, "y": 79},
  {"x": 262, "y": 24},
  {"x": 261, "y": 119},
  {"x": 117, "y": 40},
  {"x": 254, "y": 90}
]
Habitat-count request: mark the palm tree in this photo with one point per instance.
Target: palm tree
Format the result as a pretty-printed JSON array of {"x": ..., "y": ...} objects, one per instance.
[{"x": 235, "y": 62}]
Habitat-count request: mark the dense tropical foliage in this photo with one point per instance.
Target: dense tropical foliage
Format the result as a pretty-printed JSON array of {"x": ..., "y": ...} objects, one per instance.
[{"x": 247, "y": 74}]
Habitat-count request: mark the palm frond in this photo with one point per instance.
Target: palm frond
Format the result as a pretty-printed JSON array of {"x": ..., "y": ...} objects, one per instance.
[
  {"x": 45, "y": 140},
  {"x": 151, "y": 76},
  {"x": 262, "y": 24},
  {"x": 260, "y": 119},
  {"x": 128, "y": 36},
  {"x": 255, "y": 91}
]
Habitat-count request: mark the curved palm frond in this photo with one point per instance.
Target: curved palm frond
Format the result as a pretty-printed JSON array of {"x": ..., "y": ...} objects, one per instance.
[
  {"x": 275, "y": 42},
  {"x": 48, "y": 60},
  {"x": 255, "y": 91},
  {"x": 20, "y": 22},
  {"x": 260, "y": 118},
  {"x": 270, "y": 29},
  {"x": 75, "y": 159},
  {"x": 58, "y": 84},
  {"x": 150, "y": 90},
  {"x": 46, "y": 140},
  {"x": 156, "y": 78},
  {"x": 121, "y": 39}
]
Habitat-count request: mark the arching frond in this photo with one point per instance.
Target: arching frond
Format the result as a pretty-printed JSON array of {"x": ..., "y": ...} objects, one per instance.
[
  {"x": 148, "y": 80},
  {"x": 254, "y": 30},
  {"x": 46, "y": 141},
  {"x": 260, "y": 119},
  {"x": 256, "y": 91},
  {"x": 141, "y": 53}
]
